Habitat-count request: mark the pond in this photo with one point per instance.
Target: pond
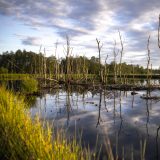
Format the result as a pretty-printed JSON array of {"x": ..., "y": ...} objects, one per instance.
[{"x": 120, "y": 119}]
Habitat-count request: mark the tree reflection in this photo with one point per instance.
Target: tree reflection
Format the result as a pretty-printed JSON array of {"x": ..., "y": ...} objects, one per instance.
[
  {"x": 148, "y": 115},
  {"x": 121, "y": 118},
  {"x": 68, "y": 104},
  {"x": 157, "y": 144},
  {"x": 114, "y": 105},
  {"x": 99, "y": 110},
  {"x": 132, "y": 100}
]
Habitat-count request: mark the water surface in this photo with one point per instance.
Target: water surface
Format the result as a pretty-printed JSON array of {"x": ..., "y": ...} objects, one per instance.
[{"x": 125, "y": 119}]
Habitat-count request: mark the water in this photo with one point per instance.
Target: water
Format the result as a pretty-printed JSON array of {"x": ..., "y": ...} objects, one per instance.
[{"x": 125, "y": 119}]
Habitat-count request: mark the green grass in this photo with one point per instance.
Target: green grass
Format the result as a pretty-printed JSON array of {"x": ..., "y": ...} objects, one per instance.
[
  {"x": 14, "y": 76},
  {"x": 29, "y": 85},
  {"x": 24, "y": 138}
]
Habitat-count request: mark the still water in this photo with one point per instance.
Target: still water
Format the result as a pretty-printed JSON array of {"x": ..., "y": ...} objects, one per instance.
[{"x": 125, "y": 120}]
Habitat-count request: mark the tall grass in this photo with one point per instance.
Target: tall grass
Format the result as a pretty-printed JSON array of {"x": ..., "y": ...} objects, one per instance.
[
  {"x": 24, "y": 138},
  {"x": 13, "y": 76},
  {"x": 29, "y": 85}
]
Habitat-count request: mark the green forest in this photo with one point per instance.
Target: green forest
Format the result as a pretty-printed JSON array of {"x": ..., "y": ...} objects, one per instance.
[{"x": 33, "y": 63}]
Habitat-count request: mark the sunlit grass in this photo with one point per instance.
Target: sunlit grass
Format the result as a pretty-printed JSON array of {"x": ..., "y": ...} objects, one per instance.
[{"x": 24, "y": 138}]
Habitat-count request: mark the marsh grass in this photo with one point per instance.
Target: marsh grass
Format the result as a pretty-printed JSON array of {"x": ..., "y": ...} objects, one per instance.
[
  {"x": 12, "y": 76},
  {"x": 24, "y": 138},
  {"x": 29, "y": 85}
]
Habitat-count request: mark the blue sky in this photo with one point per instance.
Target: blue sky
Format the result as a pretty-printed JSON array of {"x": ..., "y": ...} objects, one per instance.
[{"x": 28, "y": 24}]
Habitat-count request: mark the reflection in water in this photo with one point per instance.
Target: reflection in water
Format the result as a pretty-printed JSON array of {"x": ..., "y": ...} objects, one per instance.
[
  {"x": 122, "y": 124},
  {"x": 121, "y": 119},
  {"x": 157, "y": 144},
  {"x": 105, "y": 102},
  {"x": 114, "y": 105},
  {"x": 99, "y": 110},
  {"x": 132, "y": 100},
  {"x": 147, "y": 121},
  {"x": 68, "y": 105}
]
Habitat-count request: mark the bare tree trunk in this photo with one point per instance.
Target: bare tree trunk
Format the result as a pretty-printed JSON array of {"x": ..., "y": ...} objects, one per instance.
[
  {"x": 100, "y": 67},
  {"x": 68, "y": 51},
  {"x": 148, "y": 64},
  {"x": 133, "y": 74},
  {"x": 121, "y": 52},
  {"x": 159, "y": 33},
  {"x": 115, "y": 65},
  {"x": 45, "y": 67},
  {"x": 148, "y": 60},
  {"x": 40, "y": 69},
  {"x": 105, "y": 70},
  {"x": 56, "y": 64}
]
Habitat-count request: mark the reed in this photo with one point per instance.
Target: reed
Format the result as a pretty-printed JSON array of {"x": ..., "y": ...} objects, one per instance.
[{"x": 26, "y": 138}]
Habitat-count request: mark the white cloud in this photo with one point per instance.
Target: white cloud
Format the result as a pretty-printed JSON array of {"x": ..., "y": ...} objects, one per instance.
[{"x": 86, "y": 20}]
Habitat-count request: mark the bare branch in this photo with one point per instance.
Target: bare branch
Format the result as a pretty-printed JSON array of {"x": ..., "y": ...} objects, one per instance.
[
  {"x": 99, "y": 51},
  {"x": 56, "y": 46},
  {"x": 148, "y": 60},
  {"x": 121, "y": 51},
  {"x": 159, "y": 33},
  {"x": 120, "y": 37},
  {"x": 106, "y": 59},
  {"x": 40, "y": 48}
]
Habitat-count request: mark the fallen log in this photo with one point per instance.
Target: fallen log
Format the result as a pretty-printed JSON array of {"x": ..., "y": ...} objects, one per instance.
[{"x": 150, "y": 97}]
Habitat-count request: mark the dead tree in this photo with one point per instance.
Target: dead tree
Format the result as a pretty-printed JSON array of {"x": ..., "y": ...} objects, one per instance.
[
  {"x": 56, "y": 65},
  {"x": 115, "y": 63},
  {"x": 148, "y": 60},
  {"x": 45, "y": 66},
  {"x": 148, "y": 64},
  {"x": 100, "y": 66},
  {"x": 105, "y": 70},
  {"x": 121, "y": 55},
  {"x": 68, "y": 52},
  {"x": 159, "y": 33},
  {"x": 40, "y": 61}
]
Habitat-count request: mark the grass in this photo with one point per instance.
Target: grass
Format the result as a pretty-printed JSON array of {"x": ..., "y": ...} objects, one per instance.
[
  {"x": 29, "y": 85},
  {"x": 14, "y": 76},
  {"x": 24, "y": 138}
]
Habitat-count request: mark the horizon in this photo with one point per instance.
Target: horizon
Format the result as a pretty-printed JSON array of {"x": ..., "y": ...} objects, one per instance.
[{"x": 28, "y": 25}]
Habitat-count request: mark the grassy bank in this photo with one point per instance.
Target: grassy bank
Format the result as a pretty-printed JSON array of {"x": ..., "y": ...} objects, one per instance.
[
  {"x": 24, "y": 138},
  {"x": 14, "y": 76},
  {"x": 75, "y": 77}
]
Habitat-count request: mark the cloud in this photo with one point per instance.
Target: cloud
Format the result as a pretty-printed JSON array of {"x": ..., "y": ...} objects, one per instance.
[
  {"x": 33, "y": 41},
  {"x": 85, "y": 20}
]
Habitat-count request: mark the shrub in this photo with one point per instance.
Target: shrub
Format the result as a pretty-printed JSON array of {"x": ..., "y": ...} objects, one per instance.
[
  {"x": 3, "y": 70},
  {"x": 29, "y": 85}
]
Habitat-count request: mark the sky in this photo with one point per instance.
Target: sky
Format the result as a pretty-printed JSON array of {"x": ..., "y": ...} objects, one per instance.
[{"x": 29, "y": 24}]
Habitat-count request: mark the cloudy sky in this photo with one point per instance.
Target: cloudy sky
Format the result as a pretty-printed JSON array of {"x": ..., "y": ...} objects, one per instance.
[{"x": 28, "y": 24}]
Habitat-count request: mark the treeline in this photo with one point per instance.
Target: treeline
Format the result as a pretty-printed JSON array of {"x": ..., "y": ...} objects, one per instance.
[{"x": 32, "y": 63}]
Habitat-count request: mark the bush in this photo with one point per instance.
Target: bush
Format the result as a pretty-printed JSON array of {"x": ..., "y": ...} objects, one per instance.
[
  {"x": 29, "y": 85},
  {"x": 3, "y": 70}
]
